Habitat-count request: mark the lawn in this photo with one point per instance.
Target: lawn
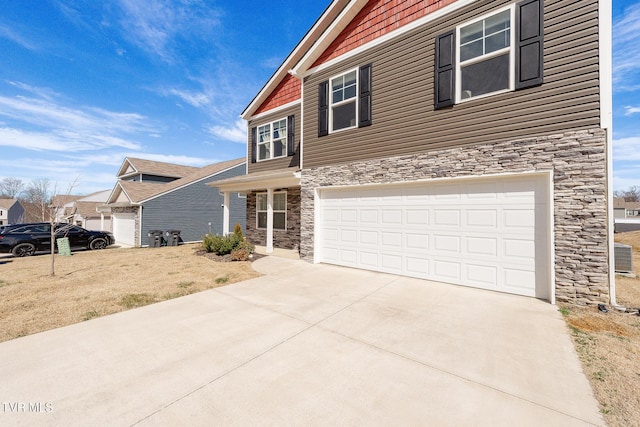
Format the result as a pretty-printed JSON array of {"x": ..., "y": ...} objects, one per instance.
[
  {"x": 608, "y": 345},
  {"x": 90, "y": 284}
]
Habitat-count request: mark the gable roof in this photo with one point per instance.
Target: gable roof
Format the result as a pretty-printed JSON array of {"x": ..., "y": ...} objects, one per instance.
[
  {"x": 139, "y": 192},
  {"x": 621, "y": 203},
  {"x": 328, "y": 17},
  {"x": 63, "y": 199},
  {"x": 7, "y": 203},
  {"x": 133, "y": 166},
  {"x": 381, "y": 20}
]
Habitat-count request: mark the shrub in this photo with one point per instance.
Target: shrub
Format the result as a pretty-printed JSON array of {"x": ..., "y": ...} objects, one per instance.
[
  {"x": 223, "y": 245},
  {"x": 240, "y": 254}
]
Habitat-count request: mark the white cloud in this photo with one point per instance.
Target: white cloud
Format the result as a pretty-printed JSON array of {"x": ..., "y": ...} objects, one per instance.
[
  {"x": 44, "y": 124},
  {"x": 237, "y": 132},
  {"x": 10, "y": 34},
  {"x": 62, "y": 141},
  {"x": 155, "y": 25},
  {"x": 626, "y": 56},
  {"x": 627, "y": 149},
  {"x": 628, "y": 110},
  {"x": 194, "y": 99}
]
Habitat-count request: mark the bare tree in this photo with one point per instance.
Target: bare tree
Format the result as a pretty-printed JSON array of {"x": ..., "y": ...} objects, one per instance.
[
  {"x": 10, "y": 188},
  {"x": 632, "y": 194},
  {"x": 56, "y": 209},
  {"x": 38, "y": 194}
]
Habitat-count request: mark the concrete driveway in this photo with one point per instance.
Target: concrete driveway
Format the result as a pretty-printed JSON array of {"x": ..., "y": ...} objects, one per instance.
[{"x": 305, "y": 345}]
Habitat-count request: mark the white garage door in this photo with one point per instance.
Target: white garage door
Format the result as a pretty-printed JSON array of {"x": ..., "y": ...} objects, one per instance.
[
  {"x": 485, "y": 233},
  {"x": 124, "y": 228}
]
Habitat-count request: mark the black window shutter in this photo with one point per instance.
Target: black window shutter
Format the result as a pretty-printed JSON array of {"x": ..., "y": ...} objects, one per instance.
[
  {"x": 529, "y": 43},
  {"x": 291, "y": 135},
  {"x": 323, "y": 108},
  {"x": 364, "y": 99},
  {"x": 445, "y": 70},
  {"x": 254, "y": 144}
]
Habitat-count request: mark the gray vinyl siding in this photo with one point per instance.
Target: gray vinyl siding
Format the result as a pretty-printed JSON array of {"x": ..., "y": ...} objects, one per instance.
[
  {"x": 190, "y": 209},
  {"x": 282, "y": 162},
  {"x": 404, "y": 119}
]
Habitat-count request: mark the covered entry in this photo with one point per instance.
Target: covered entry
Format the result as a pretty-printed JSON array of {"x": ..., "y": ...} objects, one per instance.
[{"x": 490, "y": 233}]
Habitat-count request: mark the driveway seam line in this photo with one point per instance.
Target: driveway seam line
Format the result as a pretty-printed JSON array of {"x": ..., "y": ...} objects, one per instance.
[{"x": 411, "y": 359}]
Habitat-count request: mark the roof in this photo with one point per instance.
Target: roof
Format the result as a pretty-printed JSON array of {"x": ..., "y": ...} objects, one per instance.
[
  {"x": 287, "y": 177},
  {"x": 335, "y": 18},
  {"x": 139, "y": 192},
  {"x": 88, "y": 209},
  {"x": 621, "y": 203},
  {"x": 63, "y": 199},
  {"x": 7, "y": 203},
  {"x": 134, "y": 166}
]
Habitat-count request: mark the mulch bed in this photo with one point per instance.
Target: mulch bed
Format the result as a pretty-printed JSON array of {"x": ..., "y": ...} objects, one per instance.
[{"x": 224, "y": 258}]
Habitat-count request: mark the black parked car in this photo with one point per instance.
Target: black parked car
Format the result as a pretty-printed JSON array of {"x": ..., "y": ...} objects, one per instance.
[{"x": 27, "y": 239}]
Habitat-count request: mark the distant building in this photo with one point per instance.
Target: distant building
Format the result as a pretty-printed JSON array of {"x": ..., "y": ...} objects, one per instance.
[{"x": 11, "y": 212}]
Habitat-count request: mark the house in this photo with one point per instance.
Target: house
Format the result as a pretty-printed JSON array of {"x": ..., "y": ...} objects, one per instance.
[
  {"x": 626, "y": 215},
  {"x": 83, "y": 210},
  {"x": 465, "y": 142},
  {"x": 11, "y": 212},
  {"x": 162, "y": 196}
]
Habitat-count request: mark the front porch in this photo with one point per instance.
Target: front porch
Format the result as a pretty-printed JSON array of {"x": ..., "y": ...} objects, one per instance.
[{"x": 273, "y": 208}]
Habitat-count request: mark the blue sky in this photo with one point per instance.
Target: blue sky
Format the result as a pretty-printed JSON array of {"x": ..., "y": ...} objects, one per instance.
[{"x": 84, "y": 84}]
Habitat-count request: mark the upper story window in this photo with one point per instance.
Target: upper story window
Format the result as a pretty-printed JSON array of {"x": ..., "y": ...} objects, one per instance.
[
  {"x": 344, "y": 101},
  {"x": 343, "y": 112},
  {"x": 496, "y": 53},
  {"x": 485, "y": 52},
  {"x": 272, "y": 140}
]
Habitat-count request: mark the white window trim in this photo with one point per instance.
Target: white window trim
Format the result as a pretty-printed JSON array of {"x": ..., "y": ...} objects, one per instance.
[
  {"x": 343, "y": 102},
  {"x": 271, "y": 150},
  {"x": 274, "y": 211},
  {"x": 511, "y": 49}
]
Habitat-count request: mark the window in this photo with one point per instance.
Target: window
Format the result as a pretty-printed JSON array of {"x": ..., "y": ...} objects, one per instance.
[
  {"x": 499, "y": 52},
  {"x": 343, "y": 111},
  {"x": 272, "y": 140},
  {"x": 485, "y": 53},
  {"x": 344, "y": 101},
  {"x": 279, "y": 210}
]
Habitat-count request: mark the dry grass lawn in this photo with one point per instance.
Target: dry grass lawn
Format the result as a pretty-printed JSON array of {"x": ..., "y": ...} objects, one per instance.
[
  {"x": 90, "y": 284},
  {"x": 609, "y": 346}
]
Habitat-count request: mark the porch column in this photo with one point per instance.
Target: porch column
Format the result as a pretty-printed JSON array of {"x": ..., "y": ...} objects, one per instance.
[
  {"x": 102, "y": 221},
  {"x": 269, "y": 220},
  {"x": 225, "y": 214}
]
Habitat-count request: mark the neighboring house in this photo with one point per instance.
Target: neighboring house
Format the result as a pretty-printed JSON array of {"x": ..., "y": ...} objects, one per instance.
[
  {"x": 84, "y": 211},
  {"x": 162, "y": 196},
  {"x": 11, "y": 212},
  {"x": 626, "y": 215},
  {"x": 624, "y": 209},
  {"x": 466, "y": 142}
]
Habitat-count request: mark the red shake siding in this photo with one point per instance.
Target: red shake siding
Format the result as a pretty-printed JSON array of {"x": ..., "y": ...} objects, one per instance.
[
  {"x": 377, "y": 18},
  {"x": 287, "y": 91}
]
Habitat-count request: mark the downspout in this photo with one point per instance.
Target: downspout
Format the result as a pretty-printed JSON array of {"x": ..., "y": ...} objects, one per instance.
[{"x": 606, "y": 122}]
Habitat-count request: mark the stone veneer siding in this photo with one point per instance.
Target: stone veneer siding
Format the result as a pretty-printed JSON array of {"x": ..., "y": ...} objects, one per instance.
[
  {"x": 289, "y": 239},
  {"x": 578, "y": 162},
  {"x": 133, "y": 210}
]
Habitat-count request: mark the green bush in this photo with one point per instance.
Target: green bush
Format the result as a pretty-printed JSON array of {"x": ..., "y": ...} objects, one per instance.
[{"x": 223, "y": 245}]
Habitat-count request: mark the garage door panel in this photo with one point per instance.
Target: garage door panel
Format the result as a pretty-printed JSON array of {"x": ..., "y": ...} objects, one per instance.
[
  {"x": 490, "y": 234},
  {"x": 447, "y": 217},
  {"x": 484, "y": 276},
  {"x": 446, "y": 270},
  {"x": 482, "y": 246}
]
